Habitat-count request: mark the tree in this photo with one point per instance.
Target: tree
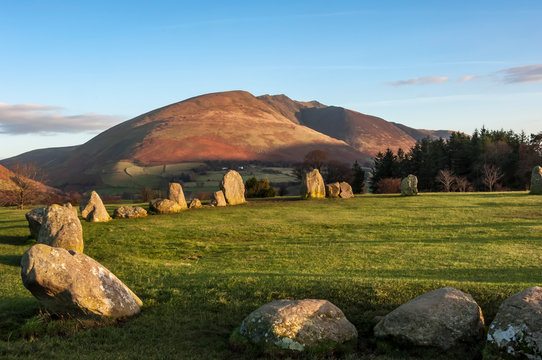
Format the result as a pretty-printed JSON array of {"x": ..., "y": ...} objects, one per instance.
[
  {"x": 461, "y": 183},
  {"x": 358, "y": 183},
  {"x": 446, "y": 179},
  {"x": 146, "y": 194},
  {"x": 491, "y": 175},
  {"x": 336, "y": 171},
  {"x": 259, "y": 188},
  {"x": 26, "y": 179},
  {"x": 316, "y": 159}
]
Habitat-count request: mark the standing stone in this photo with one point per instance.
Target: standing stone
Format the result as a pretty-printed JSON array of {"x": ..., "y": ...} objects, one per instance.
[
  {"x": 217, "y": 198},
  {"x": 333, "y": 190},
  {"x": 409, "y": 186},
  {"x": 93, "y": 209},
  {"x": 536, "y": 181},
  {"x": 176, "y": 194},
  {"x": 61, "y": 227},
  {"x": 517, "y": 327},
  {"x": 233, "y": 187},
  {"x": 129, "y": 212},
  {"x": 68, "y": 282},
  {"x": 444, "y": 318},
  {"x": 34, "y": 218},
  {"x": 346, "y": 191},
  {"x": 312, "y": 186},
  {"x": 195, "y": 204},
  {"x": 164, "y": 206},
  {"x": 296, "y": 324}
]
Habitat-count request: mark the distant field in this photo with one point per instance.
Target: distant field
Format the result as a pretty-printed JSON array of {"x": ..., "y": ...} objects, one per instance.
[
  {"x": 199, "y": 273},
  {"x": 128, "y": 177}
]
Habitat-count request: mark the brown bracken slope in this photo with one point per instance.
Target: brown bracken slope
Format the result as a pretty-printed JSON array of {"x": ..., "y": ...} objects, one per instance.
[{"x": 232, "y": 125}]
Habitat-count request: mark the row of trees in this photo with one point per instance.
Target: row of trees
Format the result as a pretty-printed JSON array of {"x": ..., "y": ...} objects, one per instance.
[{"x": 487, "y": 160}]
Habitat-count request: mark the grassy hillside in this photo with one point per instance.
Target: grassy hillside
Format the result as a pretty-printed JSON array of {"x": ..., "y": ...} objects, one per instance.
[{"x": 199, "y": 273}]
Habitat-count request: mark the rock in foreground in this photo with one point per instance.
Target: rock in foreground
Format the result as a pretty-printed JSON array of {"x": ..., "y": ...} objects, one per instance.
[
  {"x": 346, "y": 190},
  {"x": 129, "y": 212},
  {"x": 333, "y": 190},
  {"x": 35, "y": 218},
  {"x": 61, "y": 227},
  {"x": 445, "y": 318},
  {"x": 217, "y": 198},
  {"x": 93, "y": 209},
  {"x": 536, "y": 181},
  {"x": 312, "y": 185},
  {"x": 233, "y": 187},
  {"x": 164, "y": 206},
  {"x": 296, "y": 324},
  {"x": 409, "y": 186},
  {"x": 195, "y": 204},
  {"x": 517, "y": 327},
  {"x": 68, "y": 282},
  {"x": 176, "y": 194}
]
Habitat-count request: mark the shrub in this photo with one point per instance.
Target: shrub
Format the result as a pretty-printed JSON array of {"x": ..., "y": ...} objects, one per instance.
[
  {"x": 259, "y": 188},
  {"x": 388, "y": 186}
]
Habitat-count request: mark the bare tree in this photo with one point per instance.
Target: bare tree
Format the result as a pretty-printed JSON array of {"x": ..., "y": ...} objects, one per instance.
[
  {"x": 461, "y": 184},
  {"x": 491, "y": 175},
  {"x": 146, "y": 194},
  {"x": 446, "y": 178},
  {"x": 26, "y": 179}
]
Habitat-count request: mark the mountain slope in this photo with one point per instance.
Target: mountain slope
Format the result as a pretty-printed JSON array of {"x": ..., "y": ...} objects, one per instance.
[
  {"x": 419, "y": 134},
  {"x": 365, "y": 133}
]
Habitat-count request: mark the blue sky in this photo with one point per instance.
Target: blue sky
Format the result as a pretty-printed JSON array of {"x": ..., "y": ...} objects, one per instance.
[{"x": 71, "y": 69}]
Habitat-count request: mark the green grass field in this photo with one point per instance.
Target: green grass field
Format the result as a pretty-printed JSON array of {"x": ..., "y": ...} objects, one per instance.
[{"x": 199, "y": 273}]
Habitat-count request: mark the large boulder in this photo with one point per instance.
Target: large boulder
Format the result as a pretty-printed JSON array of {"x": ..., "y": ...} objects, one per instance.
[
  {"x": 346, "y": 190},
  {"x": 312, "y": 185},
  {"x": 233, "y": 187},
  {"x": 517, "y": 327},
  {"x": 445, "y": 318},
  {"x": 176, "y": 194},
  {"x": 409, "y": 185},
  {"x": 217, "y": 198},
  {"x": 61, "y": 227},
  {"x": 297, "y": 324},
  {"x": 536, "y": 181},
  {"x": 68, "y": 282},
  {"x": 129, "y": 212},
  {"x": 195, "y": 204},
  {"x": 333, "y": 190},
  {"x": 164, "y": 206},
  {"x": 93, "y": 209},
  {"x": 34, "y": 218}
]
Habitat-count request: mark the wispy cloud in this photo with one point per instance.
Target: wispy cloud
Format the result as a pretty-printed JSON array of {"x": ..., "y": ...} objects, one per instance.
[
  {"x": 426, "y": 80},
  {"x": 520, "y": 74},
  {"x": 468, "y": 78},
  {"x": 43, "y": 119}
]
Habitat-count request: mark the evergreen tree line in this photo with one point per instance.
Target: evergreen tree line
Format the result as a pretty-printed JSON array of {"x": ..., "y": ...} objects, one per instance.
[{"x": 487, "y": 160}]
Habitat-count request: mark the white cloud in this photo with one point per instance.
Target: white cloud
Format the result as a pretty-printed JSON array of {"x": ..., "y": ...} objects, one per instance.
[
  {"x": 467, "y": 78},
  {"x": 521, "y": 74},
  {"x": 426, "y": 80},
  {"x": 43, "y": 119}
]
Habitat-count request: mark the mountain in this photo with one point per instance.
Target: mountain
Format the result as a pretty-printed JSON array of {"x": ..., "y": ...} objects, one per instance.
[
  {"x": 7, "y": 183},
  {"x": 232, "y": 125},
  {"x": 419, "y": 134},
  {"x": 365, "y": 133}
]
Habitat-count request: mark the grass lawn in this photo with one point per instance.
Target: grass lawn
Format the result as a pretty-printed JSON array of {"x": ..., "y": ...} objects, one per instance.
[{"x": 199, "y": 273}]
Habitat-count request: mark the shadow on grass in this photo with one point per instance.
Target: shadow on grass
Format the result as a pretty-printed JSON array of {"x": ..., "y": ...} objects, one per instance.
[
  {"x": 17, "y": 240},
  {"x": 10, "y": 260}
]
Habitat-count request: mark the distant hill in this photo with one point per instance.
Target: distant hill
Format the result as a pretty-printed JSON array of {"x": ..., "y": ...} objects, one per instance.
[
  {"x": 419, "y": 134},
  {"x": 232, "y": 125}
]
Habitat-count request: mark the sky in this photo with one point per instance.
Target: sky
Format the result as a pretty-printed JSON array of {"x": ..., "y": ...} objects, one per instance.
[{"x": 70, "y": 69}]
